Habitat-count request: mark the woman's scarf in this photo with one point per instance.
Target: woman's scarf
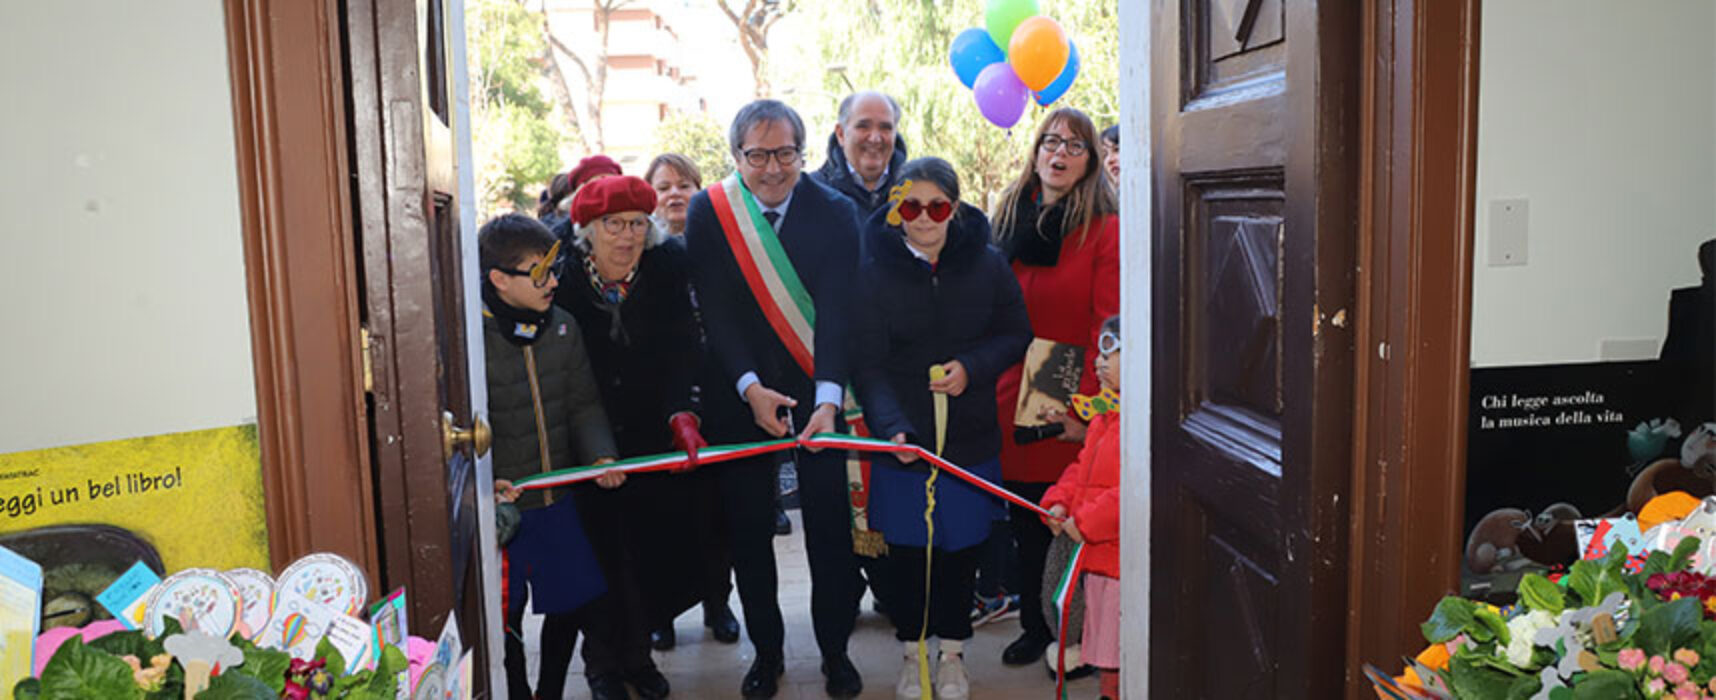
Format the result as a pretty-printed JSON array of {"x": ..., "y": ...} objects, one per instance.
[
  {"x": 519, "y": 326},
  {"x": 611, "y": 296},
  {"x": 1034, "y": 236}
]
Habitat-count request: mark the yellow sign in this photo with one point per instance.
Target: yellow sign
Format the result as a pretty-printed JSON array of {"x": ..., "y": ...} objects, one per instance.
[{"x": 194, "y": 498}]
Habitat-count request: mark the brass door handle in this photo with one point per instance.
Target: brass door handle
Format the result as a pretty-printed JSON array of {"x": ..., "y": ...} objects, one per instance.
[{"x": 477, "y": 436}]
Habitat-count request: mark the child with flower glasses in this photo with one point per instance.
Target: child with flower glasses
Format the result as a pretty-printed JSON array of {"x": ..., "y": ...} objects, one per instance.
[{"x": 1088, "y": 498}]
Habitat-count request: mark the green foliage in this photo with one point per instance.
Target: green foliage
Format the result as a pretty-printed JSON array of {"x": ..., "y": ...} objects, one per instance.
[
  {"x": 1606, "y": 684},
  {"x": 1683, "y": 553},
  {"x": 1469, "y": 676},
  {"x": 900, "y": 47},
  {"x": 27, "y": 689},
  {"x": 237, "y": 686},
  {"x": 1669, "y": 626},
  {"x": 1539, "y": 594},
  {"x": 515, "y": 140},
  {"x": 1453, "y": 615},
  {"x": 77, "y": 672},
  {"x": 698, "y": 137}
]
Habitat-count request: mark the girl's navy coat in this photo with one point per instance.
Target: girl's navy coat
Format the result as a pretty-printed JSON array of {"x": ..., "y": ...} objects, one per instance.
[{"x": 968, "y": 308}]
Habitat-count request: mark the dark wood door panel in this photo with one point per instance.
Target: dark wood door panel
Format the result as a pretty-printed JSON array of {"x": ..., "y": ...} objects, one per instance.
[{"x": 1252, "y": 237}]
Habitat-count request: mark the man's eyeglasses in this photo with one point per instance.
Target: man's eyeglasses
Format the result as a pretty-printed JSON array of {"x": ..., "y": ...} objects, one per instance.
[
  {"x": 550, "y": 266},
  {"x": 1052, "y": 143},
  {"x": 618, "y": 226},
  {"x": 1108, "y": 342},
  {"x": 938, "y": 210},
  {"x": 759, "y": 157}
]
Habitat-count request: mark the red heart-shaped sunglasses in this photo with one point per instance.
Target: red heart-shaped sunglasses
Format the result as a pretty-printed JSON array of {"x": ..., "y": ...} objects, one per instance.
[{"x": 938, "y": 210}]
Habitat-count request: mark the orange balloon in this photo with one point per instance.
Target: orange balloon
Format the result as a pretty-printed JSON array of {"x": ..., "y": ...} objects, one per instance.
[{"x": 1038, "y": 51}]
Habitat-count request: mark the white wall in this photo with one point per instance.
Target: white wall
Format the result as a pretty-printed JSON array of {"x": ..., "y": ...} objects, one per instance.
[
  {"x": 1603, "y": 115},
  {"x": 124, "y": 309}
]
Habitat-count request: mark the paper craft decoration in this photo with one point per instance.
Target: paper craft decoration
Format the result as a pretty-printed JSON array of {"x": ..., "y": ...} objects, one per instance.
[
  {"x": 201, "y": 654},
  {"x": 127, "y": 596},
  {"x": 1597, "y": 536},
  {"x": 202, "y": 600},
  {"x": 328, "y": 579},
  {"x": 256, "y": 592},
  {"x": 297, "y": 625},
  {"x": 20, "y": 616},
  {"x": 1051, "y": 377},
  {"x": 1088, "y": 407},
  {"x": 391, "y": 623},
  {"x": 432, "y": 685},
  {"x": 356, "y": 641}
]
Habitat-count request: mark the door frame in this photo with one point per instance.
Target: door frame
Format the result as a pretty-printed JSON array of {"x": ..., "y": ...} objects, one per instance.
[
  {"x": 289, "y": 120},
  {"x": 1416, "y": 218}
]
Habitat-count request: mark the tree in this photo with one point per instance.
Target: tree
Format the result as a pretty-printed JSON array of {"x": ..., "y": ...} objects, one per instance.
[
  {"x": 513, "y": 138},
  {"x": 753, "y": 21},
  {"x": 698, "y": 137},
  {"x": 592, "y": 65}
]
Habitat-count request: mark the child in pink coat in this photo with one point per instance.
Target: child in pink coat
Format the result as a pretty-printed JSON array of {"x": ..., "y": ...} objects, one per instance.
[{"x": 1088, "y": 496}]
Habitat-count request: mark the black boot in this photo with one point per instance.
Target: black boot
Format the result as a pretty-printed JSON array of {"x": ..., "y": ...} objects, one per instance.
[
  {"x": 720, "y": 621},
  {"x": 663, "y": 639}
]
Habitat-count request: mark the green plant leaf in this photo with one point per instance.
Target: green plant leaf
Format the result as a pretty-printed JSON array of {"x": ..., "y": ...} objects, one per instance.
[
  {"x": 1683, "y": 554},
  {"x": 1669, "y": 626},
  {"x": 386, "y": 680},
  {"x": 1605, "y": 684},
  {"x": 335, "y": 661},
  {"x": 1582, "y": 580},
  {"x": 236, "y": 686},
  {"x": 1524, "y": 687},
  {"x": 1451, "y": 617},
  {"x": 1539, "y": 594},
  {"x": 1561, "y": 693},
  {"x": 77, "y": 672},
  {"x": 129, "y": 643},
  {"x": 1470, "y": 678},
  {"x": 27, "y": 689},
  {"x": 1656, "y": 563},
  {"x": 1616, "y": 561},
  {"x": 1493, "y": 621},
  {"x": 266, "y": 665}
]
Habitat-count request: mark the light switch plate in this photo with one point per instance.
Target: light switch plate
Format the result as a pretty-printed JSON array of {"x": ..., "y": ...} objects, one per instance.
[{"x": 1510, "y": 220}]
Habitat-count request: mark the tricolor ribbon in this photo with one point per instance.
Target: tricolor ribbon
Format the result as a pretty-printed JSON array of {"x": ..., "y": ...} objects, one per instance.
[
  {"x": 1063, "y": 601},
  {"x": 726, "y": 453}
]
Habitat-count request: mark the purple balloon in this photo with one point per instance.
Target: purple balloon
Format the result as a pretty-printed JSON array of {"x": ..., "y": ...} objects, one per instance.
[{"x": 1001, "y": 96}]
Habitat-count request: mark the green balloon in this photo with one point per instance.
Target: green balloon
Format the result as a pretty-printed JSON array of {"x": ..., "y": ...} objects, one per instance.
[{"x": 1004, "y": 16}]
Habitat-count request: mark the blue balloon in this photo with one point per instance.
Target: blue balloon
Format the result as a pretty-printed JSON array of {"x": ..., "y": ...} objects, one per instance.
[
  {"x": 1063, "y": 83},
  {"x": 972, "y": 51}
]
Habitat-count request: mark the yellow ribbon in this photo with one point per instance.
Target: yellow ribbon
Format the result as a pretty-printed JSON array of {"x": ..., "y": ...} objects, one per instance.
[
  {"x": 895, "y": 196},
  {"x": 936, "y": 373}
]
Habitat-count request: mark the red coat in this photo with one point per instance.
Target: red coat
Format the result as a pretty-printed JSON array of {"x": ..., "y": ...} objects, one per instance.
[
  {"x": 1067, "y": 304},
  {"x": 1090, "y": 490}
]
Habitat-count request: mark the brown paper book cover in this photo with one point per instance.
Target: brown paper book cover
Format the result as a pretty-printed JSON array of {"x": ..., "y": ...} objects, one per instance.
[{"x": 1051, "y": 375}]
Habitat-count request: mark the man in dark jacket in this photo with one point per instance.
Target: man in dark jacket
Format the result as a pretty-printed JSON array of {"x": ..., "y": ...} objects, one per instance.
[
  {"x": 546, "y": 412},
  {"x": 865, "y": 151},
  {"x": 775, "y": 258}
]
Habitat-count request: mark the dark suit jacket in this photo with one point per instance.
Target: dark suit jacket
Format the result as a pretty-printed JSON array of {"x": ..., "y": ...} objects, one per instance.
[{"x": 820, "y": 236}]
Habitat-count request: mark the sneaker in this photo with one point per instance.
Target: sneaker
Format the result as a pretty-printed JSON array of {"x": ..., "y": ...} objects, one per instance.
[
  {"x": 1076, "y": 668},
  {"x": 987, "y": 610},
  {"x": 908, "y": 687},
  {"x": 951, "y": 682}
]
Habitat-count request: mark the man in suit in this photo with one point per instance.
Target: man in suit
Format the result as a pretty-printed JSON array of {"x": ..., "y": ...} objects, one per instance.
[{"x": 785, "y": 357}]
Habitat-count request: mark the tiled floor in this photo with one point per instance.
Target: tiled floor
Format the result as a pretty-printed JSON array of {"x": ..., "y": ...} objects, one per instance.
[{"x": 701, "y": 668}]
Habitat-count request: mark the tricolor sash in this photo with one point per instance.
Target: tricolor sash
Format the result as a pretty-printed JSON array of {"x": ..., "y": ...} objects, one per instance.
[{"x": 767, "y": 269}]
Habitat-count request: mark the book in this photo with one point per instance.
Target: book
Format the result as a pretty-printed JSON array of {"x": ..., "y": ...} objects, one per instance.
[
  {"x": 20, "y": 616},
  {"x": 1051, "y": 376}
]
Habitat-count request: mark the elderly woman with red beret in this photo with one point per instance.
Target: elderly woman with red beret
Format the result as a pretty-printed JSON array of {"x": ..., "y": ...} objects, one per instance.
[{"x": 628, "y": 286}]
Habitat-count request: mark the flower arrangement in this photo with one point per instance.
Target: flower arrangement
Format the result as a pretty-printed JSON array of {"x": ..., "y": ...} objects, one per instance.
[
  {"x": 1596, "y": 632},
  {"x": 133, "y": 665}
]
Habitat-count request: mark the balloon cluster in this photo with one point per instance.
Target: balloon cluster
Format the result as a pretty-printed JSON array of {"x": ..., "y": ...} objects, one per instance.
[{"x": 1039, "y": 62}]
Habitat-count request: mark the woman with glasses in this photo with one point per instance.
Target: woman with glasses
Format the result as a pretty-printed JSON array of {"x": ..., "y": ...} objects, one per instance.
[
  {"x": 627, "y": 285},
  {"x": 939, "y": 298},
  {"x": 1056, "y": 224}
]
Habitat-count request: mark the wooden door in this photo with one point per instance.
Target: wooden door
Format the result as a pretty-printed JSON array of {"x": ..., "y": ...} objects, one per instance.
[
  {"x": 409, "y": 235},
  {"x": 1254, "y": 101}
]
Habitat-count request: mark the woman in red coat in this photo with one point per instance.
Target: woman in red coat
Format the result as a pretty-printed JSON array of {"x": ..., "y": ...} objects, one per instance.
[{"x": 1058, "y": 226}]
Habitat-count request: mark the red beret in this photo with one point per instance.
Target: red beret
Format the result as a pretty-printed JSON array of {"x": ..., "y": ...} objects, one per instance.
[
  {"x": 590, "y": 167},
  {"x": 610, "y": 195}
]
